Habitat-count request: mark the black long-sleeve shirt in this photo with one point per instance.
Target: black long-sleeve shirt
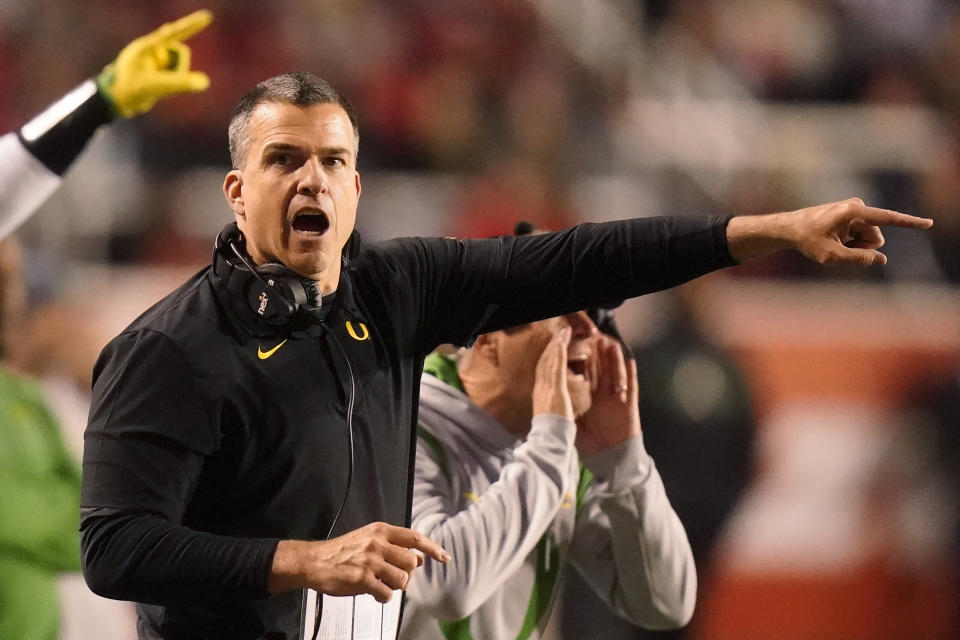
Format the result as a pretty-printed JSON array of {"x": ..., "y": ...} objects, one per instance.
[{"x": 212, "y": 436}]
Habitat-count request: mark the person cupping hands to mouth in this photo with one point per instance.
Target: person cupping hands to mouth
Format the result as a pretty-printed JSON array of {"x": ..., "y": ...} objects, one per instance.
[{"x": 529, "y": 451}]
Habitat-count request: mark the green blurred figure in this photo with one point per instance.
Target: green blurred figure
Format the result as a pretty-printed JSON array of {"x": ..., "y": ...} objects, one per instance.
[
  {"x": 39, "y": 479},
  {"x": 39, "y": 491}
]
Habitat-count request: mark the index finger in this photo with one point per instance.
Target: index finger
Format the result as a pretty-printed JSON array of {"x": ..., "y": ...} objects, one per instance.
[
  {"x": 180, "y": 29},
  {"x": 553, "y": 359},
  {"x": 619, "y": 382},
  {"x": 412, "y": 539},
  {"x": 633, "y": 383},
  {"x": 606, "y": 374},
  {"x": 886, "y": 217},
  {"x": 562, "y": 339}
]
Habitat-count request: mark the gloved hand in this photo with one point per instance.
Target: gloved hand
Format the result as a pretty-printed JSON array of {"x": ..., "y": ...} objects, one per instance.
[{"x": 154, "y": 66}]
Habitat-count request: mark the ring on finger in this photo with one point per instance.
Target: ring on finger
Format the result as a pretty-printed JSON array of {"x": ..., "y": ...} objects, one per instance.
[{"x": 620, "y": 388}]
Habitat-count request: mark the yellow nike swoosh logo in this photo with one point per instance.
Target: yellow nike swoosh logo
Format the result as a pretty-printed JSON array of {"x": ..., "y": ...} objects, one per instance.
[{"x": 263, "y": 355}]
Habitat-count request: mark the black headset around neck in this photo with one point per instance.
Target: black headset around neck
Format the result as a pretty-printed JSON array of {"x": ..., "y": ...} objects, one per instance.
[{"x": 274, "y": 293}]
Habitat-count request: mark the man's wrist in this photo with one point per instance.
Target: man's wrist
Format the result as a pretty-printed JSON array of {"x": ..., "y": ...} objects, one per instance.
[
  {"x": 550, "y": 427},
  {"x": 750, "y": 237},
  {"x": 105, "y": 80},
  {"x": 622, "y": 465},
  {"x": 286, "y": 573}
]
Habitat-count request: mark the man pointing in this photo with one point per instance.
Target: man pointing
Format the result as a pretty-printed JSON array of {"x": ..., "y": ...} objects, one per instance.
[{"x": 217, "y": 484}]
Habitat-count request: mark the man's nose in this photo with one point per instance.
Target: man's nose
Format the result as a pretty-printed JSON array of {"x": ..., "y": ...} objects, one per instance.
[
  {"x": 313, "y": 179},
  {"x": 581, "y": 326}
]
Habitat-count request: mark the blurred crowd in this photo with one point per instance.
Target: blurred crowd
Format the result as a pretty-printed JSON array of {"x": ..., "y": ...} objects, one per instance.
[
  {"x": 529, "y": 103},
  {"x": 474, "y": 115}
]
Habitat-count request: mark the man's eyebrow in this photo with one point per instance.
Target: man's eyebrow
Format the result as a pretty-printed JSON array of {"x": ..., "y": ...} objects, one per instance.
[
  {"x": 274, "y": 147},
  {"x": 337, "y": 151}
]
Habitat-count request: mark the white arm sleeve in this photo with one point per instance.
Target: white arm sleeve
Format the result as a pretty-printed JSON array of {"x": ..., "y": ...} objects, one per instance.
[
  {"x": 629, "y": 544},
  {"x": 489, "y": 540},
  {"x": 25, "y": 184}
]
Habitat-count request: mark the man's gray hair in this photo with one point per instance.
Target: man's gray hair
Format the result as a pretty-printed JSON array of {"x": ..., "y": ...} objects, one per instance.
[{"x": 298, "y": 88}]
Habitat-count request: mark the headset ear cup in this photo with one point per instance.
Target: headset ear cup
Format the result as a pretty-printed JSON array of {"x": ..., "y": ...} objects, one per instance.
[
  {"x": 277, "y": 301},
  {"x": 269, "y": 301},
  {"x": 274, "y": 293}
]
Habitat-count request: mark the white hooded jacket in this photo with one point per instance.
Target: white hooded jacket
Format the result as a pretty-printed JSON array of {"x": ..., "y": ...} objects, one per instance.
[{"x": 513, "y": 514}]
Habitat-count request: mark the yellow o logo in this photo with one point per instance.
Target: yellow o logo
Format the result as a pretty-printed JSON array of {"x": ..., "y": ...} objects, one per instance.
[{"x": 353, "y": 332}]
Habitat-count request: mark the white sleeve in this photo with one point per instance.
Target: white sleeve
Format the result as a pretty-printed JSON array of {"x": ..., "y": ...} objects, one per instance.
[
  {"x": 630, "y": 545},
  {"x": 490, "y": 539},
  {"x": 25, "y": 184}
]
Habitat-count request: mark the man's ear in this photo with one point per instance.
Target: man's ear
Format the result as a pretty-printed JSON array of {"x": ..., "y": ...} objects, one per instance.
[
  {"x": 233, "y": 191},
  {"x": 488, "y": 347}
]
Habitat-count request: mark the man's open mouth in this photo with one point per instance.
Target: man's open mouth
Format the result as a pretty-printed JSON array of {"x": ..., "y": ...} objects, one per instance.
[
  {"x": 577, "y": 365},
  {"x": 311, "y": 221}
]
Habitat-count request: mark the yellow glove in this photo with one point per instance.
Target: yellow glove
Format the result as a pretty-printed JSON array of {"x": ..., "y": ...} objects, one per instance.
[{"x": 154, "y": 66}]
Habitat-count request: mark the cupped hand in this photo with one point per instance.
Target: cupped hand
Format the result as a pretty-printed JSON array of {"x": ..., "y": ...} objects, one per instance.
[
  {"x": 614, "y": 414},
  {"x": 550, "y": 393}
]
